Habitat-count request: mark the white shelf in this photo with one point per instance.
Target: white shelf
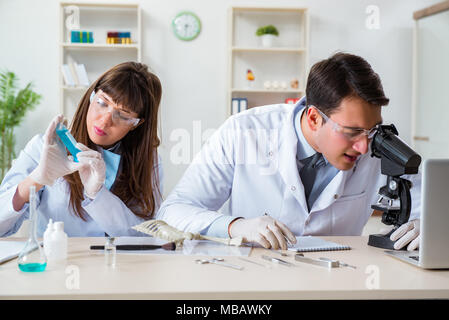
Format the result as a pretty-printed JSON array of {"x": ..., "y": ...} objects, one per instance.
[
  {"x": 286, "y": 61},
  {"x": 267, "y": 90},
  {"x": 76, "y": 88},
  {"x": 277, "y": 50},
  {"x": 101, "y": 4},
  {"x": 99, "y": 56},
  {"x": 69, "y": 45}
]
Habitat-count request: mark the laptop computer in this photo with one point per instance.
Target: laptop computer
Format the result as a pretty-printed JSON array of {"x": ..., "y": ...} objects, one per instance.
[{"x": 433, "y": 250}]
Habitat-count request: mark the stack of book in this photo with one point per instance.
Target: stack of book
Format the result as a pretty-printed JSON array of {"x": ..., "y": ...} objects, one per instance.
[
  {"x": 75, "y": 75},
  {"x": 239, "y": 105},
  {"x": 81, "y": 36},
  {"x": 116, "y": 37}
]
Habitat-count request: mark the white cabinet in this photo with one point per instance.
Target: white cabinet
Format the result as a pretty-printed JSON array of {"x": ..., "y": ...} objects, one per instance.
[
  {"x": 97, "y": 57},
  {"x": 275, "y": 67},
  {"x": 430, "y": 98}
]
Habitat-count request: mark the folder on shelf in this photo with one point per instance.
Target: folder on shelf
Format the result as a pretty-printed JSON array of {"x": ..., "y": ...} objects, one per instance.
[
  {"x": 82, "y": 75},
  {"x": 75, "y": 74},
  {"x": 72, "y": 67},
  {"x": 235, "y": 106},
  {"x": 67, "y": 74},
  {"x": 243, "y": 104},
  {"x": 238, "y": 105}
]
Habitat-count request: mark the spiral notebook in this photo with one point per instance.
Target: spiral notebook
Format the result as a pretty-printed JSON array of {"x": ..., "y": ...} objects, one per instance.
[{"x": 311, "y": 244}]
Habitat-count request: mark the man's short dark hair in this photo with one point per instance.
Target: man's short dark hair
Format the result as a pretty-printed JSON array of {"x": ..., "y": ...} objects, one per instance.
[{"x": 343, "y": 75}]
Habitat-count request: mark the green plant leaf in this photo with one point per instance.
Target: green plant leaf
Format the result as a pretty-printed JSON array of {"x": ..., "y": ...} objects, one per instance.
[
  {"x": 270, "y": 29},
  {"x": 13, "y": 108}
]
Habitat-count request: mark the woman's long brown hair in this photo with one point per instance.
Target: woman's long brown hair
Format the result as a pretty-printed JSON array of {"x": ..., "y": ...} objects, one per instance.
[{"x": 129, "y": 84}]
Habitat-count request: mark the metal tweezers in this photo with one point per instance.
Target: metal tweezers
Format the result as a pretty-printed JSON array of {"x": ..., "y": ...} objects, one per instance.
[
  {"x": 277, "y": 260},
  {"x": 327, "y": 263}
]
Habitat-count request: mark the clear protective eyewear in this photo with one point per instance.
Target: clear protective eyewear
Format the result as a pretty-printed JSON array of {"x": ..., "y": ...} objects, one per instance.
[
  {"x": 119, "y": 117},
  {"x": 352, "y": 134}
]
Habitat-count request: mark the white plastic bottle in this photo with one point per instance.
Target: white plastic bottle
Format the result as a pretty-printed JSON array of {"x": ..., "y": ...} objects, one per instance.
[
  {"x": 47, "y": 233},
  {"x": 58, "y": 243}
]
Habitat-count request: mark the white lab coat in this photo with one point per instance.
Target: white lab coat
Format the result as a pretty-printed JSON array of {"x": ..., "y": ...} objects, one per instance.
[
  {"x": 227, "y": 168},
  {"x": 105, "y": 214}
]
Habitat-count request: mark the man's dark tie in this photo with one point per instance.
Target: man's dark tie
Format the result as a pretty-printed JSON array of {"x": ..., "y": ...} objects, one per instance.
[{"x": 308, "y": 173}]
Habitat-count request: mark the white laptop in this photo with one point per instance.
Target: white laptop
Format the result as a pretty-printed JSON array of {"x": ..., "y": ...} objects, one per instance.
[{"x": 433, "y": 250}]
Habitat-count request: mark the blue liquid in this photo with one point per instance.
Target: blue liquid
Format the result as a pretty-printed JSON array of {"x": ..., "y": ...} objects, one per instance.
[
  {"x": 68, "y": 140},
  {"x": 33, "y": 267}
]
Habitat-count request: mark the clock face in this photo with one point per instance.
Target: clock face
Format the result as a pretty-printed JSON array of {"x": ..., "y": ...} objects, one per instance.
[{"x": 186, "y": 26}]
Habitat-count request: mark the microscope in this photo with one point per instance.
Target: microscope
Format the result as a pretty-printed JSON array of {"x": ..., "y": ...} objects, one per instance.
[{"x": 397, "y": 159}]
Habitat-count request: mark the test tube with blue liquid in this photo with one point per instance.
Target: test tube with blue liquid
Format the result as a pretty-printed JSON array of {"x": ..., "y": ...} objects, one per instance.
[
  {"x": 32, "y": 257},
  {"x": 68, "y": 140}
]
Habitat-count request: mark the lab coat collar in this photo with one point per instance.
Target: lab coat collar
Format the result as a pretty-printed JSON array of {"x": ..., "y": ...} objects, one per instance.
[
  {"x": 288, "y": 168},
  {"x": 304, "y": 150}
]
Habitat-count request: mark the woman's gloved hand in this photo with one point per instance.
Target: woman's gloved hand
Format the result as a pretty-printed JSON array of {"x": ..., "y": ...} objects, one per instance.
[
  {"x": 264, "y": 230},
  {"x": 54, "y": 162},
  {"x": 407, "y": 233},
  {"x": 92, "y": 171}
]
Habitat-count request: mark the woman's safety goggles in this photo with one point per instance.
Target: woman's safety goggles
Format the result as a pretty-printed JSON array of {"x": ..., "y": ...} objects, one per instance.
[{"x": 119, "y": 117}]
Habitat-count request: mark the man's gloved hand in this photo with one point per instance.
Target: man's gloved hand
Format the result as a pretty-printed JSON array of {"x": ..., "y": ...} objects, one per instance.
[
  {"x": 407, "y": 233},
  {"x": 54, "y": 162},
  {"x": 264, "y": 230},
  {"x": 92, "y": 171}
]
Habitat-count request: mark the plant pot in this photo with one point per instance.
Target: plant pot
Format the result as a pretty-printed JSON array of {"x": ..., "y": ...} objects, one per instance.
[{"x": 267, "y": 40}]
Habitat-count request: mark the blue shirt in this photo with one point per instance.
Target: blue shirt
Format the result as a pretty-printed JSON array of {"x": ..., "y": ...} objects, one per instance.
[{"x": 324, "y": 173}]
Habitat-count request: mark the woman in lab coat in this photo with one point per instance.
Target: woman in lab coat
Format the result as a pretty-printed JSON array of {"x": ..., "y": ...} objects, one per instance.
[
  {"x": 247, "y": 180},
  {"x": 116, "y": 182}
]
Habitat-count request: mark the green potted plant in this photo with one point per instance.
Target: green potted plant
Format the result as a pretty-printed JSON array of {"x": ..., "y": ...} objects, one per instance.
[
  {"x": 267, "y": 34},
  {"x": 13, "y": 107}
]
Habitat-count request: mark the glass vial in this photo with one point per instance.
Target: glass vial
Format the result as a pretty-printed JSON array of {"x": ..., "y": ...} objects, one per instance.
[
  {"x": 32, "y": 257},
  {"x": 110, "y": 252}
]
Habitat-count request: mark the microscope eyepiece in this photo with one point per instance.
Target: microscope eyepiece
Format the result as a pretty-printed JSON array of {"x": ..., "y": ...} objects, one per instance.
[{"x": 397, "y": 157}]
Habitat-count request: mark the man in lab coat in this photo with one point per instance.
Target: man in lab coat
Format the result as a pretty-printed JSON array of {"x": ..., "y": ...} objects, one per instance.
[{"x": 294, "y": 170}]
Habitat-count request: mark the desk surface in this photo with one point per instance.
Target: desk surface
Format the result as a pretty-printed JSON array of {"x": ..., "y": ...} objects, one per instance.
[{"x": 85, "y": 276}]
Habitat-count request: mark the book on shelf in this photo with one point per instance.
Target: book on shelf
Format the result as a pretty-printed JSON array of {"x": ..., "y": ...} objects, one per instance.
[
  {"x": 75, "y": 75},
  {"x": 238, "y": 105},
  {"x": 82, "y": 75},
  {"x": 67, "y": 75}
]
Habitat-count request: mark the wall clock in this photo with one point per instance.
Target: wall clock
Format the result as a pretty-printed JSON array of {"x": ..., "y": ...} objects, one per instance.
[{"x": 186, "y": 26}]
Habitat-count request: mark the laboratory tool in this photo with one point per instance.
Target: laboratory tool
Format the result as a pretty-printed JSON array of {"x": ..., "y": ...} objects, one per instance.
[
  {"x": 220, "y": 262},
  {"x": 48, "y": 231},
  {"x": 32, "y": 257},
  {"x": 68, "y": 140},
  {"x": 340, "y": 263},
  {"x": 254, "y": 262},
  {"x": 397, "y": 159},
  {"x": 277, "y": 260},
  {"x": 57, "y": 243},
  {"x": 166, "y": 246},
  {"x": 160, "y": 229},
  {"x": 110, "y": 252},
  {"x": 327, "y": 263}
]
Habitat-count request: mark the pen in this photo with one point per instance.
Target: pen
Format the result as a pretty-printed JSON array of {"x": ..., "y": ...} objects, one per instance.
[{"x": 166, "y": 246}]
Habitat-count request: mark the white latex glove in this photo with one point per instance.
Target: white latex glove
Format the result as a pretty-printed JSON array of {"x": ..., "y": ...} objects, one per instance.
[
  {"x": 54, "y": 162},
  {"x": 407, "y": 233},
  {"x": 92, "y": 171},
  {"x": 264, "y": 230}
]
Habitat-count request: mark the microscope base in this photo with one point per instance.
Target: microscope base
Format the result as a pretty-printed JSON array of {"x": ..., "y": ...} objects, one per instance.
[{"x": 381, "y": 240}]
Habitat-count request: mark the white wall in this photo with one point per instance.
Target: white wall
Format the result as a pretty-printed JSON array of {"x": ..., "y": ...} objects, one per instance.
[{"x": 193, "y": 74}]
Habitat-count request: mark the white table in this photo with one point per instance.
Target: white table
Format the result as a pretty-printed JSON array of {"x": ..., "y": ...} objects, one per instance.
[{"x": 85, "y": 276}]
